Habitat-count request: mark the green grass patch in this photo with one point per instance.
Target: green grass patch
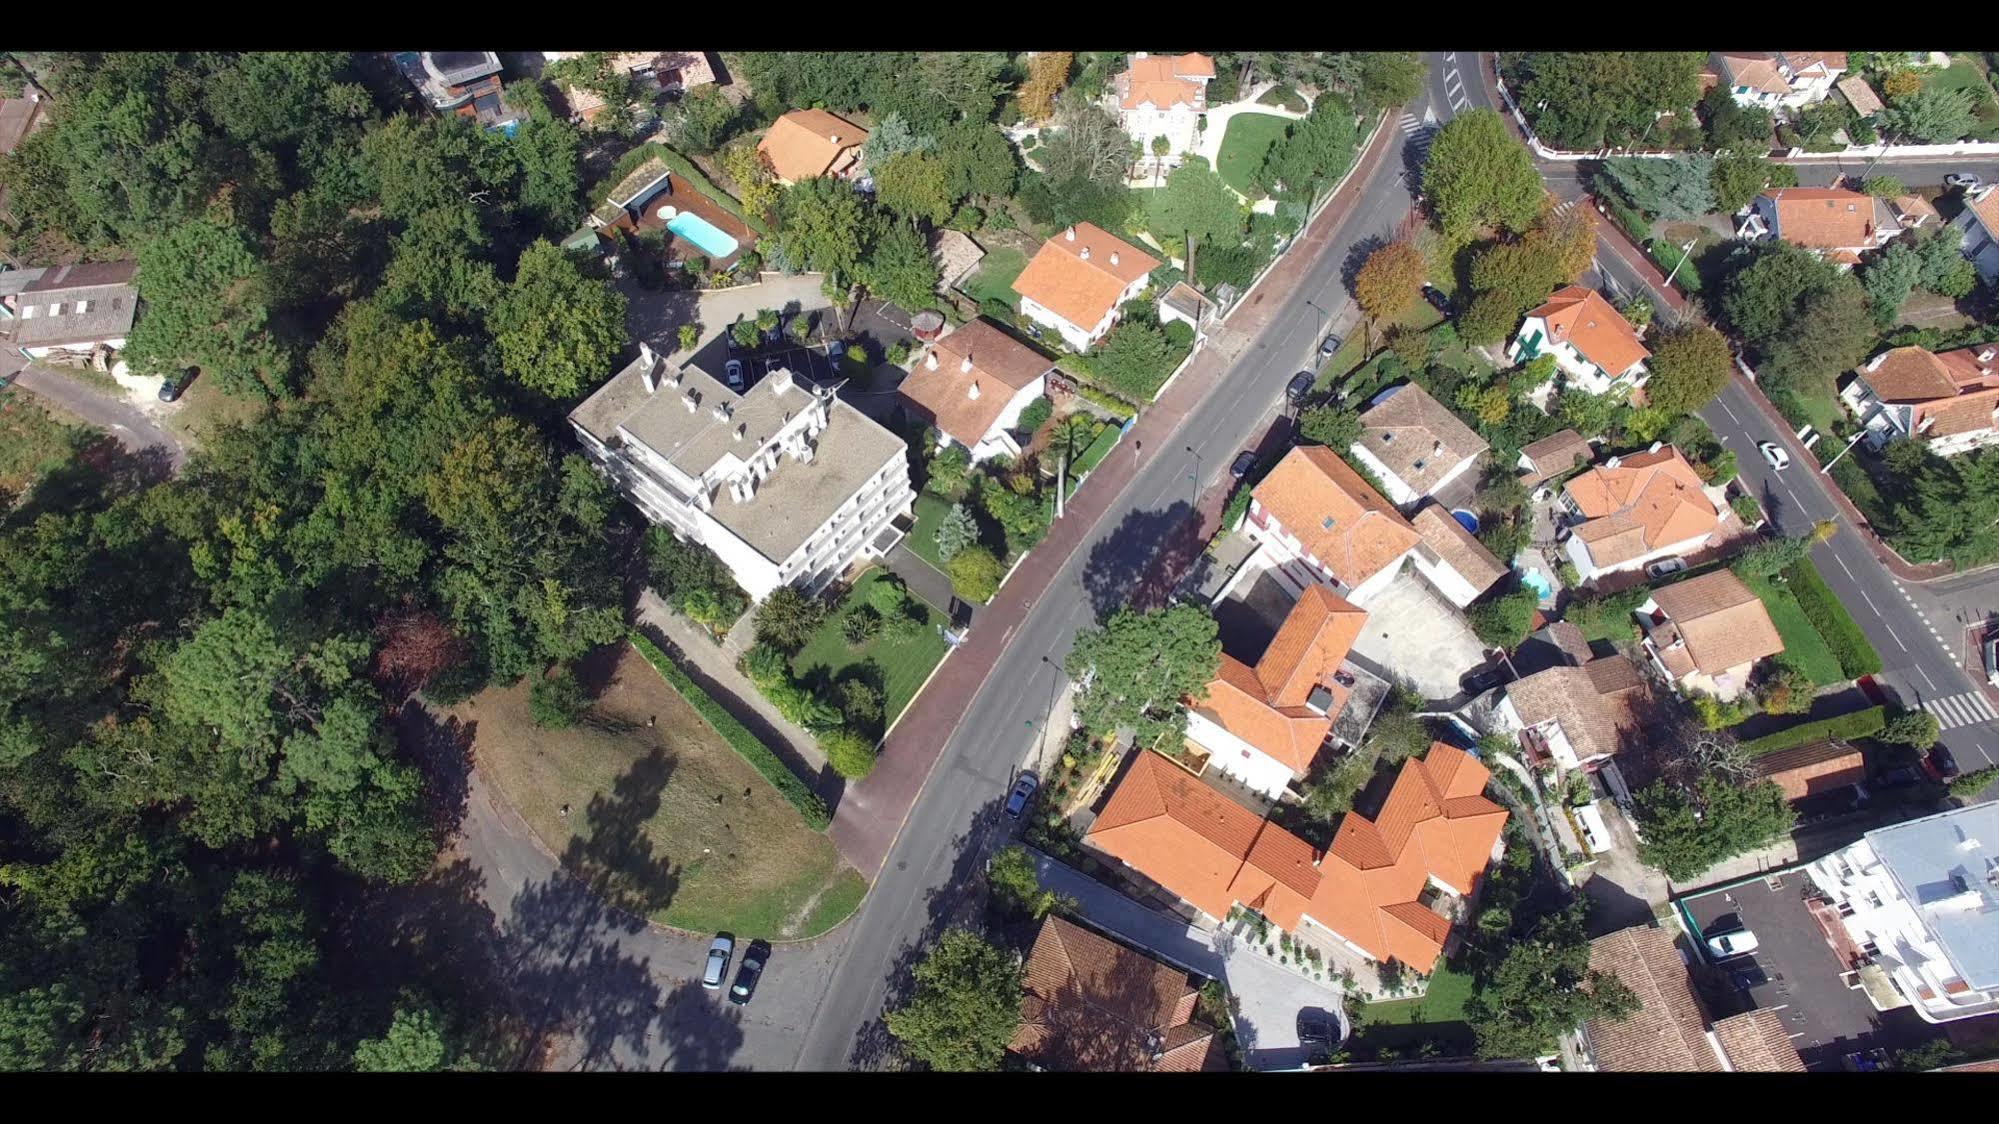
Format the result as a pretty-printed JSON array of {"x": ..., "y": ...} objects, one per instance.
[
  {"x": 1283, "y": 97},
  {"x": 930, "y": 511},
  {"x": 1849, "y": 645},
  {"x": 32, "y": 440},
  {"x": 1403, "y": 1025},
  {"x": 1107, "y": 439},
  {"x": 1802, "y": 643},
  {"x": 1846, "y": 727},
  {"x": 738, "y": 736},
  {"x": 904, "y": 660},
  {"x": 1964, "y": 74},
  {"x": 993, "y": 280},
  {"x": 1244, "y": 146}
]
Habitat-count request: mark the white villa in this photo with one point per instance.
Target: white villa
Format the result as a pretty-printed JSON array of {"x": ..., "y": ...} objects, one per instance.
[
  {"x": 1593, "y": 344},
  {"x": 1780, "y": 80},
  {"x": 787, "y": 484},
  {"x": 971, "y": 386},
  {"x": 1979, "y": 225},
  {"x": 1949, "y": 401},
  {"x": 1163, "y": 96},
  {"x": 1079, "y": 279}
]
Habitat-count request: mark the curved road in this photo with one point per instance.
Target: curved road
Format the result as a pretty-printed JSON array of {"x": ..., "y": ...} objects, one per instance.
[{"x": 129, "y": 424}]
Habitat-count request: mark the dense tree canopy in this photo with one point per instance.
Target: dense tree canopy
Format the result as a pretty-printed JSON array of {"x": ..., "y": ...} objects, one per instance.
[
  {"x": 1686, "y": 832},
  {"x": 1600, "y": 99},
  {"x": 1477, "y": 175},
  {"x": 1138, "y": 666},
  {"x": 1689, "y": 367},
  {"x": 557, "y": 330},
  {"x": 966, "y": 1004},
  {"x": 1806, "y": 319}
]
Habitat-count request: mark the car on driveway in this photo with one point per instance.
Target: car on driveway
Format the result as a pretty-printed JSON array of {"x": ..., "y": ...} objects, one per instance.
[
  {"x": 173, "y": 386},
  {"x": 1901, "y": 776},
  {"x": 1299, "y": 386},
  {"x": 1747, "y": 974},
  {"x": 1737, "y": 942},
  {"x": 1991, "y": 647},
  {"x": 836, "y": 350},
  {"x": 751, "y": 970},
  {"x": 1965, "y": 180},
  {"x": 1437, "y": 299},
  {"x": 1480, "y": 680},
  {"x": 1774, "y": 454},
  {"x": 732, "y": 373},
  {"x": 1244, "y": 461},
  {"x": 1942, "y": 763},
  {"x": 1666, "y": 566},
  {"x": 1329, "y": 347},
  {"x": 1023, "y": 791},
  {"x": 719, "y": 952}
]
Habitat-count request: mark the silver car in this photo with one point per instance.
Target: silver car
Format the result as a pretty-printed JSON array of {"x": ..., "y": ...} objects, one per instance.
[{"x": 718, "y": 962}]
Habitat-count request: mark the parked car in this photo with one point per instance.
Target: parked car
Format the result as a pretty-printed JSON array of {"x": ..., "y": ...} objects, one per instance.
[
  {"x": 719, "y": 952},
  {"x": 1480, "y": 680},
  {"x": 1748, "y": 974},
  {"x": 1437, "y": 299},
  {"x": 1316, "y": 1026},
  {"x": 1991, "y": 647},
  {"x": 1965, "y": 180},
  {"x": 1901, "y": 776},
  {"x": 1666, "y": 566},
  {"x": 1734, "y": 943},
  {"x": 1244, "y": 461},
  {"x": 1942, "y": 763},
  {"x": 1299, "y": 386},
  {"x": 1329, "y": 347},
  {"x": 750, "y": 972},
  {"x": 173, "y": 386},
  {"x": 1023, "y": 791},
  {"x": 1775, "y": 454},
  {"x": 733, "y": 374}
]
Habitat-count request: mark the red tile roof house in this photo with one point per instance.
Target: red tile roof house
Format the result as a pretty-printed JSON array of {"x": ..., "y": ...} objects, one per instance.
[
  {"x": 1669, "y": 1032},
  {"x": 1978, "y": 223},
  {"x": 972, "y": 384},
  {"x": 1384, "y": 888},
  {"x": 1593, "y": 344},
  {"x": 1092, "y": 1005},
  {"x": 1949, "y": 400},
  {"x": 1078, "y": 280},
  {"x": 812, "y": 142},
  {"x": 1780, "y": 80},
  {"x": 1707, "y": 633},
  {"x": 1264, "y": 724},
  {"x": 1163, "y": 96},
  {"x": 1837, "y": 224},
  {"x": 1635, "y": 509}
]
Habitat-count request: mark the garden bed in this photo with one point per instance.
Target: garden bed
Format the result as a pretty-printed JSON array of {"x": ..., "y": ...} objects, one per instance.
[
  {"x": 902, "y": 661},
  {"x": 1283, "y": 97}
]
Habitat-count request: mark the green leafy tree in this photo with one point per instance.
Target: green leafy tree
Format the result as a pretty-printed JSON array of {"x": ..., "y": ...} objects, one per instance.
[
  {"x": 851, "y": 754},
  {"x": 755, "y": 188},
  {"x": 901, "y": 270},
  {"x": 823, "y": 226},
  {"x": 978, "y": 160},
  {"x": 416, "y": 1042},
  {"x": 1503, "y": 621},
  {"x": 1523, "y": 273},
  {"x": 1884, "y": 187},
  {"x": 1945, "y": 269},
  {"x": 1015, "y": 887},
  {"x": 1687, "y": 832},
  {"x": 1732, "y": 125},
  {"x": 1682, "y": 188},
  {"x": 1931, "y": 115},
  {"x": 788, "y": 617},
  {"x": 1488, "y": 319},
  {"x": 1140, "y": 665},
  {"x": 1195, "y": 203},
  {"x": 965, "y": 1006},
  {"x": 949, "y": 470},
  {"x": 1917, "y": 729},
  {"x": 1477, "y": 176},
  {"x": 1739, "y": 177},
  {"x": 1598, "y": 99},
  {"x": 1313, "y": 153},
  {"x": 975, "y": 574},
  {"x": 557, "y": 330},
  {"x": 1543, "y": 987},
  {"x": 207, "y": 304},
  {"x": 1769, "y": 557},
  {"x": 700, "y": 121},
  {"x": 1889, "y": 279},
  {"x": 555, "y": 700},
  {"x": 1132, "y": 359},
  {"x": 916, "y": 186},
  {"x": 1689, "y": 367},
  {"x": 1332, "y": 426},
  {"x": 1035, "y": 414}
]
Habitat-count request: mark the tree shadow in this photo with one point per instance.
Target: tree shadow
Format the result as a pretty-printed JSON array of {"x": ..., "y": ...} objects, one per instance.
[
  {"x": 613, "y": 855},
  {"x": 1140, "y": 560},
  {"x": 700, "y": 1032},
  {"x": 441, "y": 746},
  {"x": 99, "y": 471},
  {"x": 596, "y": 670}
]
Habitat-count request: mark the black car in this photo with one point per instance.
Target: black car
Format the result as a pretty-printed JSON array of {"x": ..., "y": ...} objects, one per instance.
[
  {"x": 1300, "y": 385},
  {"x": 1942, "y": 763},
  {"x": 751, "y": 970},
  {"x": 173, "y": 386},
  {"x": 1480, "y": 680},
  {"x": 1437, "y": 299},
  {"x": 1244, "y": 461},
  {"x": 1901, "y": 776}
]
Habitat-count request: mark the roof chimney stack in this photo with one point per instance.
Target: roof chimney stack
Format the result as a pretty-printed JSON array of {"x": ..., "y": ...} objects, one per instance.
[
  {"x": 1985, "y": 354},
  {"x": 973, "y": 391},
  {"x": 1113, "y": 257},
  {"x": 1874, "y": 364},
  {"x": 965, "y": 364},
  {"x": 930, "y": 361},
  {"x": 741, "y": 428},
  {"x": 1070, "y": 234},
  {"x": 688, "y": 400},
  {"x": 1084, "y": 253}
]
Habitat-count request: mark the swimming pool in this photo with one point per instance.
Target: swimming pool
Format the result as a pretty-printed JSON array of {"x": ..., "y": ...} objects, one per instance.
[
  {"x": 1538, "y": 582},
  {"x": 712, "y": 241}
]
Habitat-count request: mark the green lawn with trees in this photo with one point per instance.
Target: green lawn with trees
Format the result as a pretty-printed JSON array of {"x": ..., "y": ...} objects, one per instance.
[
  {"x": 897, "y": 661},
  {"x": 1802, "y": 643},
  {"x": 1248, "y": 140}
]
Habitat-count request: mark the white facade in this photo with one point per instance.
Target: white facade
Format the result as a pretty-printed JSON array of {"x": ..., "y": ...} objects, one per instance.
[
  {"x": 1979, "y": 239},
  {"x": 1443, "y": 577},
  {"x": 1807, "y": 87},
  {"x": 82, "y": 349},
  {"x": 1919, "y": 898},
  {"x": 1239, "y": 760},
  {"x": 998, "y": 441},
  {"x": 1885, "y": 421},
  {"x": 1578, "y": 552},
  {"x": 1580, "y": 372},
  {"x": 1287, "y": 559},
  {"x": 1080, "y": 337},
  {"x": 1177, "y": 123}
]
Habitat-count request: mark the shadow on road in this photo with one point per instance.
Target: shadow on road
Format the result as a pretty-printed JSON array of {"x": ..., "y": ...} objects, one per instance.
[
  {"x": 1139, "y": 561},
  {"x": 102, "y": 470},
  {"x": 442, "y": 749}
]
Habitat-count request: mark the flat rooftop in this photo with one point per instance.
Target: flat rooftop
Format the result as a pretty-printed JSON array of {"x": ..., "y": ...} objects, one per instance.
[{"x": 1948, "y": 866}]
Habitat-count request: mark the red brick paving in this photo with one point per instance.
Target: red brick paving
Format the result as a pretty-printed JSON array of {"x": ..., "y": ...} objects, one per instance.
[{"x": 871, "y": 813}]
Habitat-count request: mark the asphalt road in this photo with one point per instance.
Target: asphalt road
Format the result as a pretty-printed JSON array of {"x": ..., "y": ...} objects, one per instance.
[
  {"x": 934, "y": 862},
  {"x": 120, "y": 418}
]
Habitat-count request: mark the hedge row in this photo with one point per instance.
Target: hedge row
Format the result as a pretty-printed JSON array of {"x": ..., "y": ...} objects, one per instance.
[
  {"x": 738, "y": 736},
  {"x": 1849, "y": 645},
  {"x": 1846, "y": 727}
]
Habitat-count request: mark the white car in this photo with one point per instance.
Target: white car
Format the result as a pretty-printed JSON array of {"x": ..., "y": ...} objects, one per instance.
[
  {"x": 1992, "y": 660},
  {"x": 1726, "y": 945},
  {"x": 718, "y": 962},
  {"x": 1666, "y": 566},
  {"x": 1775, "y": 454}
]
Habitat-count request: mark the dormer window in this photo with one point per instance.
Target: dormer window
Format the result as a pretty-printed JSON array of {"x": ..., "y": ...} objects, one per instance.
[{"x": 1326, "y": 523}]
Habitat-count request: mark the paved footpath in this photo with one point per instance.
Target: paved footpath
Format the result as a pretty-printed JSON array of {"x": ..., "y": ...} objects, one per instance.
[{"x": 871, "y": 813}]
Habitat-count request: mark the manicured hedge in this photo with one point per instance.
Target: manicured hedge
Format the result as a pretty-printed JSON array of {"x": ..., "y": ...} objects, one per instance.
[
  {"x": 1859, "y": 724},
  {"x": 1849, "y": 645},
  {"x": 738, "y": 736}
]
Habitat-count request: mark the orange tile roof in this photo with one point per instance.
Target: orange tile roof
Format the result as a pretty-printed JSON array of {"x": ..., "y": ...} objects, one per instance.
[
  {"x": 1758, "y": 72},
  {"x": 810, "y": 142},
  {"x": 1417, "y": 438},
  {"x": 1075, "y": 278},
  {"x": 1802, "y": 61},
  {"x": 1000, "y": 367},
  {"x": 1823, "y": 218},
  {"x": 1985, "y": 205},
  {"x": 1444, "y": 535},
  {"x": 1335, "y": 515},
  {"x": 1723, "y": 623},
  {"x": 1647, "y": 501},
  {"x": 1166, "y": 81},
  {"x": 1954, "y": 392},
  {"x": 1177, "y": 831},
  {"x": 1583, "y": 319},
  {"x": 1758, "y": 1041},
  {"x": 1266, "y": 705},
  {"x": 1812, "y": 769},
  {"x": 1094, "y": 1005}
]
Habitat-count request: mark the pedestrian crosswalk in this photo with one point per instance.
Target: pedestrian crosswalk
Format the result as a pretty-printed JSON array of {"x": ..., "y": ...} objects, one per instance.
[
  {"x": 1967, "y": 709},
  {"x": 1419, "y": 131}
]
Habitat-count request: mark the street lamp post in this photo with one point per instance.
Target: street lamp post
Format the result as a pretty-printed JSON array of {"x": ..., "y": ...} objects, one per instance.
[
  {"x": 1684, "y": 251},
  {"x": 1843, "y": 452},
  {"x": 1194, "y": 477}
]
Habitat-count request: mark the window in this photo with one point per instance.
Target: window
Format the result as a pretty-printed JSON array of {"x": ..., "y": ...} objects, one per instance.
[
  {"x": 28, "y": 312},
  {"x": 1418, "y": 466},
  {"x": 82, "y": 307},
  {"x": 1327, "y": 523}
]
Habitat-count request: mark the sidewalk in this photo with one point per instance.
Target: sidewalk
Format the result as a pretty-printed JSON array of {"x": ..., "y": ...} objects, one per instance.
[{"x": 871, "y": 813}]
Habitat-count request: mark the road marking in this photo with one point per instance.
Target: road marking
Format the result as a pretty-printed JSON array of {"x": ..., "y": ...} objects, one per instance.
[
  {"x": 1896, "y": 635},
  {"x": 1450, "y": 56},
  {"x": 1925, "y": 675},
  {"x": 1967, "y": 709},
  {"x": 1730, "y": 413},
  {"x": 1842, "y": 565},
  {"x": 1870, "y": 603},
  {"x": 1800, "y": 504},
  {"x": 1460, "y": 104}
]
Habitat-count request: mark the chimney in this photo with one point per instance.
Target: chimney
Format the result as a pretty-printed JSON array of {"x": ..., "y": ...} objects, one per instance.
[
  {"x": 647, "y": 376},
  {"x": 1069, "y": 235},
  {"x": 1084, "y": 253},
  {"x": 741, "y": 428},
  {"x": 1113, "y": 257},
  {"x": 646, "y": 357},
  {"x": 973, "y": 391},
  {"x": 1436, "y": 446},
  {"x": 965, "y": 364},
  {"x": 835, "y": 138},
  {"x": 1985, "y": 354},
  {"x": 721, "y": 411},
  {"x": 688, "y": 400},
  {"x": 1656, "y": 446},
  {"x": 930, "y": 361}
]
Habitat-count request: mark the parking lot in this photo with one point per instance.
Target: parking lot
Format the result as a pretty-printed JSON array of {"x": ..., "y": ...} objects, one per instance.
[{"x": 1792, "y": 971}]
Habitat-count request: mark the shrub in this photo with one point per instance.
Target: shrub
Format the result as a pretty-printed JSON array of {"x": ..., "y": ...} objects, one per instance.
[
  {"x": 888, "y": 597},
  {"x": 759, "y": 755},
  {"x": 862, "y": 703},
  {"x": 1714, "y": 714},
  {"x": 766, "y": 667},
  {"x": 997, "y": 309},
  {"x": 788, "y": 618},
  {"x": 1746, "y": 508},
  {"x": 1846, "y": 727},
  {"x": 975, "y": 574},
  {"x": 1917, "y": 729},
  {"x": 956, "y": 531},
  {"x": 949, "y": 470},
  {"x": 1849, "y": 645},
  {"x": 852, "y": 755},
  {"x": 1035, "y": 414},
  {"x": 1503, "y": 621},
  {"x": 898, "y": 352},
  {"x": 1972, "y": 783},
  {"x": 555, "y": 701},
  {"x": 861, "y": 624}
]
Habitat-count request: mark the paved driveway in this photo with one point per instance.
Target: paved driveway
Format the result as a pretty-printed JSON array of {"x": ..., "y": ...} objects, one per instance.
[
  {"x": 110, "y": 412},
  {"x": 1270, "y": 996},
  {"x": 1412, "y": 633}
]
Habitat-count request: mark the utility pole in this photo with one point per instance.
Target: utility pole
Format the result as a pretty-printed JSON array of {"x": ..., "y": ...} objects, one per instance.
[
  {"x": 1684, "y": 251},
  {"x": 1061, "y": 481},
  {"x": 1843, "y": 452}
]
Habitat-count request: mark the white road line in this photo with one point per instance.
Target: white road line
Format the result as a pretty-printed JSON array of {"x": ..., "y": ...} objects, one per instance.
[
  {"x": 1897, "y": 636},
  {"x": 1459, "y": 105},
  {"x": 1795, "y": 500},
  {"x": 1842, "y": 565},
  {"x": 1924, "y": 674},
  {"x": 1450, "y": 56},
  {"x": 1730, "y": 413},
  {"x": 1870, "y": 603},
  {"x": 1978, "y": 703}
]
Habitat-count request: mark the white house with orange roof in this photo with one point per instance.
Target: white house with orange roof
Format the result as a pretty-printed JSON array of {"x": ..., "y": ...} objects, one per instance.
[
  {"x": 972, "y": 384},
  {"x": 812, "y": 142},
  {"x": 1978, "y": 223},
  {"x": 1636, "y": 509},
  {"x": 1163, "y": 96},
  {"x": 1314, "y": 520},
  {"x": 1079, "y": 279},
  {"x": 1780, "y": 80},
  {"x": 1949, "y": 400},
  {"x": 1837, "y": 224},
  {"x": 1263, "y": 724},
  {"x": 1593, "y": 344}
]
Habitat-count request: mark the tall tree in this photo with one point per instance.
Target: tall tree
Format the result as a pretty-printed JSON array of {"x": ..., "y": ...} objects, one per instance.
[
  {"x": 1195, "y": 203},
  {"x": 1738, "y": 177},
  {"x": 965, "y": 1007},
  {"x": 1477, "y": 175},
  {"x": 1047, "y": 73},
  {"x": 915, "y": 186},
  {"x": 1313, "y": 153},
  {"x": 1543, "y": 987},
  {"x": 1931, "y": 115},
  {"x": 1681, "y": 188},
  {"x": 901, "y": 270},
  {"x": 1388, "y": 281},
  {"x": 207, "y": 304},
  {"x": 1689, "y": 367},
  {"x": 1597, "y": 99},
  {"x": 1687, "y": 832},
  {"x": 1138, "y": 666},
  {"x": 824, "y": 226},
  {"x": 556, "y": 330}
]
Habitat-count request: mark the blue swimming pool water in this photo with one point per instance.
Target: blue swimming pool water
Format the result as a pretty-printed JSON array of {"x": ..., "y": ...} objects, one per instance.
[
  {"x": 1538, "y": 582},
  {"x": 1466, "y": 520},
  {"x": 713, "y": 242}
]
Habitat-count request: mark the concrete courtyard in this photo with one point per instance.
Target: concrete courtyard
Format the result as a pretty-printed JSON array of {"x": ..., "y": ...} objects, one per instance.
[{"x": 1416, "y": 636}]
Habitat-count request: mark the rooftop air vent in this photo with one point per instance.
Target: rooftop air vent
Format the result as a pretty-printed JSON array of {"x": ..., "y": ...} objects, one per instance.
[{"x": 1320, "y": 701}]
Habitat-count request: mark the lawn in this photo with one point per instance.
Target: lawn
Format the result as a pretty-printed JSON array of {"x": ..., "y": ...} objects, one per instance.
[
  {"x": 1283, "y": 97},
  {"x": 664, "y": 820},
  {"x": 204, "y": 408},
  {"x": 32, "y": 440},
  {"x": 930, "y": 511},
  {"x": 1802, "y": 642},
  {"x": 1249, "y": 138},
  {"x": 994, "y": 278},
  {"x": 1964, "y": 74},
  {"x": 1438, "y": 1016},
  {"x": 901, "y": 662}
]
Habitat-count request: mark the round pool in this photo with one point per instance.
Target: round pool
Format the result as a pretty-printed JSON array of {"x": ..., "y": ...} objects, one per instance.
[{"x": 1465, "y": 519}]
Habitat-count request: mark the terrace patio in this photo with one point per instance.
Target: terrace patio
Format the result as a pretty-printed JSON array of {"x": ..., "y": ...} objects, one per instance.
[{"x": 678, "y": 197}]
